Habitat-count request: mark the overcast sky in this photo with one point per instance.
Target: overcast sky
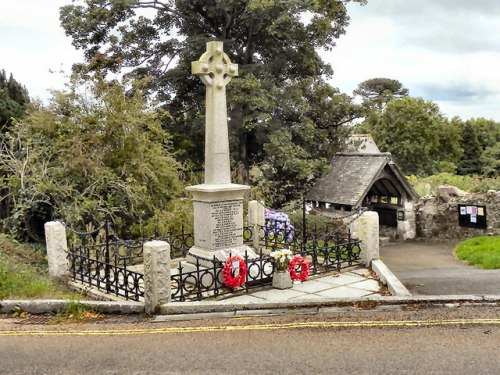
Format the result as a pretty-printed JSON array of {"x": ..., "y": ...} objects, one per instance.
[{"x": 447, "y": 51}]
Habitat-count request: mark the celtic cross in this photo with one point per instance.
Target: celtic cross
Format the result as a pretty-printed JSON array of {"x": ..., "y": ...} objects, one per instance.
[{"x": 216, "y": 70}]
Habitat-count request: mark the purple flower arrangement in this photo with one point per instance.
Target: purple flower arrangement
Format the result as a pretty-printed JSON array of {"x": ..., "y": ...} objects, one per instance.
[{"x": 278, "y": 226}]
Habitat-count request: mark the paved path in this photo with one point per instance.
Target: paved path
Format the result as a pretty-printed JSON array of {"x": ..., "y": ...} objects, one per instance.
[
  {"x": 354, "y": 283},
  {"x": 431, "y": 268}
]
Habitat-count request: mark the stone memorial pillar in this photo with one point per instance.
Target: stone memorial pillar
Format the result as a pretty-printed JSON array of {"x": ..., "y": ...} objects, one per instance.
[{"x": 218, "y": 204}]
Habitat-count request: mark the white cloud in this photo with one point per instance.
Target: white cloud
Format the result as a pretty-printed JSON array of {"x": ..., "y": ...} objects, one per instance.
[
  {"x": 33, "y": 43},
  {"x": 446, "y": 51}
]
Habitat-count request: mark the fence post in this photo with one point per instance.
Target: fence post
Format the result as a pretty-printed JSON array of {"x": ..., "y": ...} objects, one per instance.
[
  {"x": 256, "y": 219},
  {"x": 57, "y": 249},
  {"x": 107, "y": 265},
  {"x": 157, "y": 288},
  {"x": 368, "y": 233}
]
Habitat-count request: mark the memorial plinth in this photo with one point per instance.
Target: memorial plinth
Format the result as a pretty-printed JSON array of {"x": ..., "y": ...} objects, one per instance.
[
  {"x": 218, "y": 204},
  {"x": 218, "y": 222}
]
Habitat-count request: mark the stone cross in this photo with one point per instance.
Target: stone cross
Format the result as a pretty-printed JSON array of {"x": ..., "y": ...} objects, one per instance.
[{"x": 216, "y": 70}]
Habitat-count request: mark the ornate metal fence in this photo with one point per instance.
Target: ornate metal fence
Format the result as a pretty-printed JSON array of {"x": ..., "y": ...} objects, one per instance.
[
  {"x": 100, "y": 259},
  {"x": 204, "y": 281},
  {"x": 325, "y": 246},
  {"x": 180, "y": 243}
]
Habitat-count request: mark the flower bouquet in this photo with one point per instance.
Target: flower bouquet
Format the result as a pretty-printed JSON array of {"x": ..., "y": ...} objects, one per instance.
[{"x": 281, "y": 259}]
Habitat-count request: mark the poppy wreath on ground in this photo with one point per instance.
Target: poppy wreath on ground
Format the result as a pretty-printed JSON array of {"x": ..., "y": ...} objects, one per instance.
[
  {"x": 300, "y": 261},
  {"x": 227, "y": 272}
]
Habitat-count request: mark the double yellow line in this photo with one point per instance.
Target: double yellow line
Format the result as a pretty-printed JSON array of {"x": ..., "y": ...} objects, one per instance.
[{"x": 256, "y": 327}]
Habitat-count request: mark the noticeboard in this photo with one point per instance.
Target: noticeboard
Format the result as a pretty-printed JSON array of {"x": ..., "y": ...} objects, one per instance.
[{"x": 472, "y": 216}]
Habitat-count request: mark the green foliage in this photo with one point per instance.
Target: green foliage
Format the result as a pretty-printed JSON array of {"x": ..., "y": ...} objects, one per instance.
[
  {"x": 280, "y": 92},
  {"x": 421, "y": 140},
  {"x": 377, "y": 92},
  {"x": 470, "y": 162},
  {"x": 23, "y": 273},
  {"x": 480, "y": 143},
  {"x": 490, "y": 160},
  {"x": 474, "y": 184},
  {"x": 483, "y": 252},
  {"x": 74, "y": 309},
  {"x": 13, "y": 100},
  {"x": 93, "y": 152},
  {"x": 303, "y": 137}
]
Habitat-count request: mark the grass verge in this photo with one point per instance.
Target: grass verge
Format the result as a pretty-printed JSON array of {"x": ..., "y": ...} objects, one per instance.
[
  {"x": 24, "y": 273},
  {"x": 483, "y": 252}
]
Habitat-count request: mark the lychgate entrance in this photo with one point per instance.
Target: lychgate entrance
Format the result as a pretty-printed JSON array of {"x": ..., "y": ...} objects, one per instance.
[{"x": 371, "y": 180}]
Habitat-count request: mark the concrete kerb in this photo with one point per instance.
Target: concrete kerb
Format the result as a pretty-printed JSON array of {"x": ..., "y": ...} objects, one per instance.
[
  {"x": 388, "y": 278},
  {"x": 194, "y": 309},
  {"x": 55, "y": 306}
]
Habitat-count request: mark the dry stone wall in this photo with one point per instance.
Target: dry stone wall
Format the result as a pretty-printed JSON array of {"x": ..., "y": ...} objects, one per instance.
[{"x": 437, "y": 216}]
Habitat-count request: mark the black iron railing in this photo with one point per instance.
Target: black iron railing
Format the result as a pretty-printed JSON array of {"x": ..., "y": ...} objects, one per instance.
[
  {"x": 204, "y": 279},
  {"x": 100, "y": 259},
  {"x": 180, "y": 243}
]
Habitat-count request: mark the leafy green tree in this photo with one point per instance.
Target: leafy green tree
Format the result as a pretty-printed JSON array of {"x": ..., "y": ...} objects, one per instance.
[
  {"x": 478, "y": 135},
  {"x": 490, "y": 161},
  {"x": 377, "y": 92},
  {"x": 274, "y": 42},
  {"x": 470, "y": 162},
  {"x": 305, "y": 138},
  {"x": 414, "y": 131},
  {"x": 13, "y": 100},
  {"x": 488, "y": 131},
  {"x": 93, "y": 152}
]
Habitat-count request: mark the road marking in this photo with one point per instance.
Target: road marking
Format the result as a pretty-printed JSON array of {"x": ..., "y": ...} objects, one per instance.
[{"x": 256, "y": 327}]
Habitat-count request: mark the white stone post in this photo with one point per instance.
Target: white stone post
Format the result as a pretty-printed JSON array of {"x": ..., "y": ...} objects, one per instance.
[
  {"x": 368, "y": 233},
  {"x": 256, "y": 219},
  {"x": 157, "y": 288},
  {"x": 407, "y": 228},
  {"x": 57, "y": 249}
]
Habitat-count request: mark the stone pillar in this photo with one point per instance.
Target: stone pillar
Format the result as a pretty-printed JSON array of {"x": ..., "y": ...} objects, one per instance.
[
  {"x": 217, "y": 203},
  {"x": 157, "y": 288},
  {"x": 407, "y": 228},
  {"x": 368, "y": 233},
  {"x": 256, "y": 219},
  {"x": 57, "y": 249}
]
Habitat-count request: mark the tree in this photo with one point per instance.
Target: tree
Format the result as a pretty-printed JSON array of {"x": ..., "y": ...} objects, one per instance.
[
  {"x": 93, "y": 152},
  {"x": 420, "y": 138},
  {"x": 304, "y": 139},
  {"x": 490, "y": 161},
  {"x": 274, "y": 42},
  {"x": 470, "y": 162},
  {"x": 13, "y": 100},
  {"x": 377, "y": 92},
  {"x": 478, "y": 135}
]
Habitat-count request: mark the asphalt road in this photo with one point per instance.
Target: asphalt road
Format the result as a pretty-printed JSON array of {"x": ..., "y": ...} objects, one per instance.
[
  {"x": 431, "y": 268},
  {"x": 351, "y": 343}
]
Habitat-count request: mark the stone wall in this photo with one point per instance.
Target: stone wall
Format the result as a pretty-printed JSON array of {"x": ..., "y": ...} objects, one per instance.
[{"x": 437, "y": 216}]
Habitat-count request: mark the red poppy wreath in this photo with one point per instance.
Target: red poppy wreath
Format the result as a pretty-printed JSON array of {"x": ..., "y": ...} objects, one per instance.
[
  {"x": 300, "y": 261},
  {"x": 230, "y": 280}
]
